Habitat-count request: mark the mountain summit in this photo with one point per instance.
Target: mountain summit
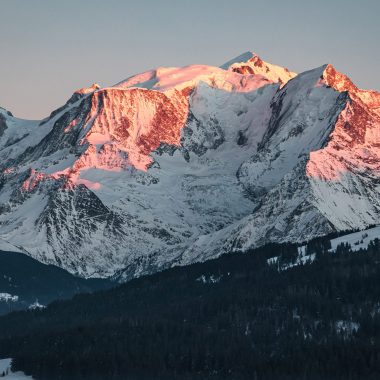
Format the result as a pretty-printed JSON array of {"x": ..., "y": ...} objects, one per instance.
[
  {"x": 250, "y": 63},
  {"x": 177, "y": 165}
]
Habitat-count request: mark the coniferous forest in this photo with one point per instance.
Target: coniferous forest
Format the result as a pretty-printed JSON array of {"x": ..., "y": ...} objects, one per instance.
[
  {"x": 33, "y": 281},
  {"x": 236, "y": 317}
]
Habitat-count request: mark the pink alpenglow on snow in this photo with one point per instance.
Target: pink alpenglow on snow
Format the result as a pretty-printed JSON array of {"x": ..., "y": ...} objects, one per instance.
[
  {"x": 167, "y": 166},
  {"x": 354, "y": 144}
]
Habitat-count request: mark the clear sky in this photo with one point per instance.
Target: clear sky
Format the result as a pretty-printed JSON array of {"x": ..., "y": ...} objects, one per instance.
[{"x": 49, "y": 48}]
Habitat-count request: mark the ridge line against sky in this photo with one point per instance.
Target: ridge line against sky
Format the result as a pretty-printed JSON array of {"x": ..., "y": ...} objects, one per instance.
[{"x": 50, "y": 49}]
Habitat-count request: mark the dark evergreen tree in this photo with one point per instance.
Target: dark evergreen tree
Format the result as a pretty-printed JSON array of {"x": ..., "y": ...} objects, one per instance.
[{"x": 232, "y": 318}]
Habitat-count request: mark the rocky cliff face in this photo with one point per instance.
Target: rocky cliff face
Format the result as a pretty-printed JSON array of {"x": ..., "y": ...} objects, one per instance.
[{"x": 177, "y": 165}]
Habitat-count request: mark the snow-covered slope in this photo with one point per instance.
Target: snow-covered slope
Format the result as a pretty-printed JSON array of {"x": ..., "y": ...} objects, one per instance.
[
  {"x": 177, "y": 165},
  {"x": 357, "y": 240},
  {"x": 251, "y": 63},
  {"x": 6, "y": 372},
  {"x": 316, "y": 169}
]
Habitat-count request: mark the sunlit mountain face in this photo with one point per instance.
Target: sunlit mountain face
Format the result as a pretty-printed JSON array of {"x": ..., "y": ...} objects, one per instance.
[{"x": 177, "y": 165}]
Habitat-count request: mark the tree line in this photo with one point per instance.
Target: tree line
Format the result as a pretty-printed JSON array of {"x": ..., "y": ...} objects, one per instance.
[{"x": 235, "y": 317}]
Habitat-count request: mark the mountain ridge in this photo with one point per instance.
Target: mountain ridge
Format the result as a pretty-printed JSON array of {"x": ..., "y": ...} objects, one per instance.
[{"x": 177, "y": 165}]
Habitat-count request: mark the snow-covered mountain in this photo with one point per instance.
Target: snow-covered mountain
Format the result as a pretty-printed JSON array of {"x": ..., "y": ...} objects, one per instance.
[{"x": 177, "y": 165}]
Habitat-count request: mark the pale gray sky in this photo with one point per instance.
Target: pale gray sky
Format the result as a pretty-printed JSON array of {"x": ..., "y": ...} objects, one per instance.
[{"x": 51, "y": 48}]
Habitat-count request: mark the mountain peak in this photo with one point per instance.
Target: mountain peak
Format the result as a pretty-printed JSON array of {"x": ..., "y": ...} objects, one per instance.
[
  {"x": 244, "y": 57},
  {"x": 250, "y": 63},
  {"x": 88, "y": 90},
  {"x": 5, "y": 111},
  {"x": 337, "y": 80},
  {"x": 166, "y": 167}
]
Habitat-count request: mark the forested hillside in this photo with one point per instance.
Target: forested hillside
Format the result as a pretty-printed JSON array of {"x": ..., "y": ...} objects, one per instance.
[
  {"x": 23, "y": 281},
  {"x": 236, "y": 317}
]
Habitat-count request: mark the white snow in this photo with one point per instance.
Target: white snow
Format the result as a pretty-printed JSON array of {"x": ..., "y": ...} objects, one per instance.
[
  {"x": 212, "y": 279},
  {"x": 179, "y": 196},
  {"x": 346, "y": 328},
  {"x": 5, "y": 367},
  {"x": 36, "y": 306},
  {"x": 256, "y": 65},
  {"x": 244, "y": 57},
  {"x": 211, "y": 190},
  {"x": 8, "y": 297},
  {"x": 168, "y": 78},
  {"x": 165, "y": 79},
  {"x": 357, "y": 240},
  {"x": 8, "y": 247},
  {"x": 301, "y": 259},
  {"x": 302, "y": 128}
]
